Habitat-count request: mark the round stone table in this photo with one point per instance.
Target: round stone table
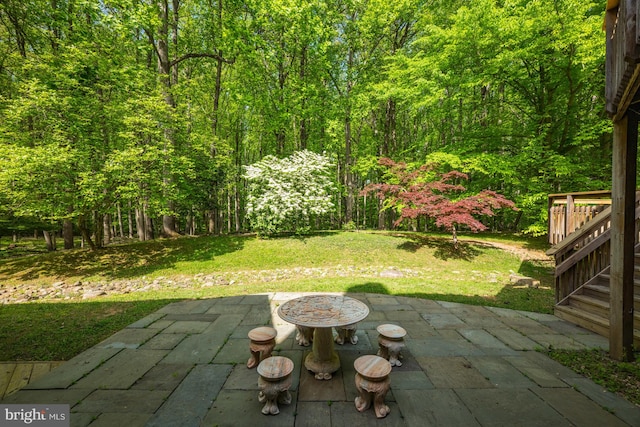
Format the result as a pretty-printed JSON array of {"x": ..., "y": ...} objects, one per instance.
[{"x": 322, "y": 313}]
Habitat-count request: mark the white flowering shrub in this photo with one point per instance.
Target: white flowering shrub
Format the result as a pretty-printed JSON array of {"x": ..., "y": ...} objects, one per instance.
[{"x": 284, "y": 194}]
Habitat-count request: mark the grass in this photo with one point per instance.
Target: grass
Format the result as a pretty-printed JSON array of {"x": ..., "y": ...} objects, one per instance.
[
  {"x": 332, "y": 261},
  {"x": 618, "y": 377}
]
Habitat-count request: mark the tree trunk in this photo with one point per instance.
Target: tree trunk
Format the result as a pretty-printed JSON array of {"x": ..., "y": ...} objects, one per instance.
[
  {"x": 389, "y": 128},
  {"x": 148, "y": 225},
  {"x": 165, "y": 76},
  {"x": 67, "y": 233},
  {"x": 228, "y": 212},
  {"x": 84, "y": 231},
  {"x": 140, "y": 225},
  {"x": 98, "y": 229},
  {"x": 237, "y": 207},
  {"x": 50, "y": 239},
  {"x": 130, "y": 221},
  {"x": 106, "y": 229},
  {"x": 348, "y": 175},
  {"x": 120, "y": 225},
  {"x": 304, "y": 133}
]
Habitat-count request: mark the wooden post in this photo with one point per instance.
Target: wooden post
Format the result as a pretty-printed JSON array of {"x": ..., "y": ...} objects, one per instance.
[
  {"x": 570, "y": 217},
  {"x": 625, "y": 146}
]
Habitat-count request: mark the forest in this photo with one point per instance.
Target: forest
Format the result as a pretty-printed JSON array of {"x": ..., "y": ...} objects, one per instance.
[{"x": 146, "y": 118}]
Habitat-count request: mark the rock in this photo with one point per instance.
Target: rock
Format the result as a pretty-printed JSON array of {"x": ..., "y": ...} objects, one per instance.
[
  {"x": 519, "y": 280},
  {"x": 93, "y": 294},
  {"x": 391, "y": 273}
]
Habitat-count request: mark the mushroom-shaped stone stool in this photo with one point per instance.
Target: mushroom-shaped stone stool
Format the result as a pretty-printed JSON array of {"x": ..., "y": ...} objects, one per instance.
[
  {"x": 347, "y": 333},
  {"x": 373, "y": 383},
  {"x": 274, "y": 382},
  {"x": 263, "y": 340},
  {"x": 391, "y": 342}
]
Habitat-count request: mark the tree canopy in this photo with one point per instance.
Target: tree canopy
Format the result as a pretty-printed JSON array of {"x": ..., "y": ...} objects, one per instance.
[{"x": 136, "y": 118}]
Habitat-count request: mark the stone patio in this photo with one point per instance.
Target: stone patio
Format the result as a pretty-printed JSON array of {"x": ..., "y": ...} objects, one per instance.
[{"x": 185, "y": 365}]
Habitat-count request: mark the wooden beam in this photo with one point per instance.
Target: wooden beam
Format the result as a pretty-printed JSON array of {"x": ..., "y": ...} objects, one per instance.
[{"x": 625, "y": 147}]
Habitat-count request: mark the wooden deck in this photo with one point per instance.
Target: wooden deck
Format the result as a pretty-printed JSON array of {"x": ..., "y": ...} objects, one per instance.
[{"x": 16, "y": 375}]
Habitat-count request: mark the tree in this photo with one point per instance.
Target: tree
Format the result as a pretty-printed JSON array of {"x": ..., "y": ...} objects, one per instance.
[
  {"x": 426, "y": 192},
  {"x": 285, "y": 194},
  {"x": 515, "y": 88}
]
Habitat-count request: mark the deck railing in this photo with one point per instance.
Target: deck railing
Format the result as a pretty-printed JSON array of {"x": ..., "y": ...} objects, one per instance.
[
  {"x": 585, "y": 253},
  {"x": 569, "y": 211}
]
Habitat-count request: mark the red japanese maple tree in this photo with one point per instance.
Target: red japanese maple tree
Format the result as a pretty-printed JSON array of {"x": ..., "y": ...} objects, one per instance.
[{"x": 424, "y": 191}]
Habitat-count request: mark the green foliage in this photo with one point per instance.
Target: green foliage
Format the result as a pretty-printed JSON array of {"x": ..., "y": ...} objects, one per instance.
[
  {"x": 285, "y": 194},
  {"x": 509, "y": 92}
]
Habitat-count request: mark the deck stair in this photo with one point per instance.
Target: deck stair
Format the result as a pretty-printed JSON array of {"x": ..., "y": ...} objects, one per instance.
[
  {"x": 582, "y": 275},
  {"x": 588, "y": 306}
]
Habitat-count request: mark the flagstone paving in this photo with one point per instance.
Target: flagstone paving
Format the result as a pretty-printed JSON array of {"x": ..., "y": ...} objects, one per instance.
[{"x": 185, "y": 365}]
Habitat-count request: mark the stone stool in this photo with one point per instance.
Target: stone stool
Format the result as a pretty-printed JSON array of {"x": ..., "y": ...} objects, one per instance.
[
  {"x": 304, "y": 335},
  {"x": 373, "y": 383},
  {"x": 274, "y": 382},
  {"x": 391, "y": 342},
  {"x": 347, "y": 333},
  {"x": 263, "y": 340}
]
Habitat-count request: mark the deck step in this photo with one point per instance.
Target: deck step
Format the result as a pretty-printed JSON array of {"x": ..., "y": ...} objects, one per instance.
[
  {"x": 589, "y": 304},
  {"x": 606, "y": 277},
  {"x": 590, "y": 321}
]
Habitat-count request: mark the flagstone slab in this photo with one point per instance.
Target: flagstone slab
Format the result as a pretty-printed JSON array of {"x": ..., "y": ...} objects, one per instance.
[
  {"x": 499, "y": 372},
  {"x": 192, "y": 317},
  {"x": 122, "y": 370},
  {"x": 576, "y": 407},
  {"x": 196, "y": 349},
  {"x": 513, "y": 339},
  {"x": 312, "y": 389},
  {"x": 71, "y": 371},
  {"x": 410, "y": 380},
  {"x": 487, "y": 342},
  {"x": 535, "y": 372},
  {"x": 187, "y": 327},
  {"x": 234, "y": 351},
  {"x": 128, "y": 338},
  {"x": 453, "y": 372},
  {"x": 189, "y": 403},
  {"x": 442, "y": 346},
  {"x": 163, "y": 342},
  {"x": 345, "y": 414},
  {"x": 147, "y": 320},
  {"x": 119, "y": 419},
  {"x": 122, "y": 401},
  {"x": 434, "y": 408},
  {"x": 623, "y": 409},
  {"x": 557, "y": 341},
  {"x": 443, "y": 320},
  {"x": 69, "y": 396},
  {"x": 418, "y": 329},
  {"x": 163, "y": 376},
  {"x": 509, "y": 407},
  {"x": 235, "y": 408},
  {"x": 313, "y": 414}
]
